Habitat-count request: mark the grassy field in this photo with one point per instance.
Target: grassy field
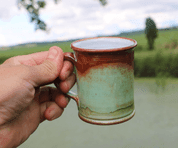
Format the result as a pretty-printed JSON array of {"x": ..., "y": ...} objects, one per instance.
[
  {"x": 163, "y": 42},
  {"x": 21, "y": 50},
  {"x": 160, "y": 61}
]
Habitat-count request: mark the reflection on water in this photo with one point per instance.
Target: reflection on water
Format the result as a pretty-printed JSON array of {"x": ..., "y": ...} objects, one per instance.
[
  {"x": 155, "y": 123},
  {"x": 157, "y": 85}
]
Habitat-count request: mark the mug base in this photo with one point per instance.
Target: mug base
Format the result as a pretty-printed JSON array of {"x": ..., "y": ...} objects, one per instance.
[{"x": 107, "y": 122}]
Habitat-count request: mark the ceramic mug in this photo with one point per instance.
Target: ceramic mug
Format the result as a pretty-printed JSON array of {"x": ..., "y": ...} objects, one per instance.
[{"x": 105, "y": 79}]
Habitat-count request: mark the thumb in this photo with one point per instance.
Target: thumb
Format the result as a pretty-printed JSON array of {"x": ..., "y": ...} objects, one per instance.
[{"x": 49, "y": 70}]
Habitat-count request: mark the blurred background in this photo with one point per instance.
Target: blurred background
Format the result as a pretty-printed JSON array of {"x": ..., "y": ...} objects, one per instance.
[{"x": 28, "y": 26}]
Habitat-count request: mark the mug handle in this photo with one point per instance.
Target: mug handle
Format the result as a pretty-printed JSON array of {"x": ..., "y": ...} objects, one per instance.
[{"x": 69, "y": 56}]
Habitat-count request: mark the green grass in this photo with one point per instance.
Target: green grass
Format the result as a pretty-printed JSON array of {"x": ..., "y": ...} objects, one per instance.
[
  {"x": 24, "y": 50},
  {"x": 162, "y": 61},
  {"x": 164, "y": 37}
]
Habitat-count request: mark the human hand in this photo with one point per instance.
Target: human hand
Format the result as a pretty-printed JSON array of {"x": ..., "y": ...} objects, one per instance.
[{"x": 24, "y": 100}]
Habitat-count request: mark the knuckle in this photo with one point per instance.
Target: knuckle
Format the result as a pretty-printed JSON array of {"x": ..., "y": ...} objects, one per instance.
[
  {"x": 66, "y": 87},
  {"x": 63, "y": 103},
  {"x": 10, "y": 60},
  {"x": 70, "y": 66},
  {"x": 50, "y": 69},
  {"x": 58, "y": 48}
]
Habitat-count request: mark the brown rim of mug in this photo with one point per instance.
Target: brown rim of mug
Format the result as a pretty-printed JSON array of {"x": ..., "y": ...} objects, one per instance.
[{"x": 103, "y": 50}]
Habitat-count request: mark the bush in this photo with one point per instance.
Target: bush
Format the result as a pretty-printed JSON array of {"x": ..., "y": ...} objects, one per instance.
[
  {"x": 138, "y": 48},
  {"x": 174, "y": 66},
  {"x": 172, "y": 45},
  {"x": 159, "y": 65},
  {"x": 144, "y": 67}
]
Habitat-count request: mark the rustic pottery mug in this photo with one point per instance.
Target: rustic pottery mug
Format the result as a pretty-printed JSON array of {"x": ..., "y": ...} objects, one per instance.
[{"x": 105, "y": 79}]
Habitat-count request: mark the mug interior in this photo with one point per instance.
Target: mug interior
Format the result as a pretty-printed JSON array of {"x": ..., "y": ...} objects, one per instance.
[{"x": 104, "y": 43}]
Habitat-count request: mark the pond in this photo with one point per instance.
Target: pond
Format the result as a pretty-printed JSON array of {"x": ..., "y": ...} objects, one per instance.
[{"x": 155, "y": 123}]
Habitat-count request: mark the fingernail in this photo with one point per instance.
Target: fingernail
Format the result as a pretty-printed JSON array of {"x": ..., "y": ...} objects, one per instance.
[
  {"x": 52, "y": 53},
  {"x": 52, "y": 114}
]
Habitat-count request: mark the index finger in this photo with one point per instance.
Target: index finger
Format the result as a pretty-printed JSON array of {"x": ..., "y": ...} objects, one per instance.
[
  {"x": 30, "y": 59},
  {"x": 38, "y": 57}
]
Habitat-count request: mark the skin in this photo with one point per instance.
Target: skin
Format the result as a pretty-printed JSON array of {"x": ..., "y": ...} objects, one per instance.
[{"x": 25, "y": 101}]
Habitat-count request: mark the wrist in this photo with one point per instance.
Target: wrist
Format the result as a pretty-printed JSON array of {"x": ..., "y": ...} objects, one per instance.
[{"x": 7, "y": 137}]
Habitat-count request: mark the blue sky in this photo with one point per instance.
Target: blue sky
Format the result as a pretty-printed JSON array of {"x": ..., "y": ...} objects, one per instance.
[{"x": 71, "y": 19}]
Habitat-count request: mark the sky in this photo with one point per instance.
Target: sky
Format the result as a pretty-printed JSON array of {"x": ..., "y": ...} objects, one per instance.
[{"x": 72, "y": 19}]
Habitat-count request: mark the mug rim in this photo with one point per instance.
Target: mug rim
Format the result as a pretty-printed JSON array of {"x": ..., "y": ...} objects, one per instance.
[{"x": 103, "y": 50}]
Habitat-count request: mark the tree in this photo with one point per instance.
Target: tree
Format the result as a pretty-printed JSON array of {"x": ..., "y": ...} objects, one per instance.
[
  {"x": 151, "y": 32},
  {"x": 33, "y": 7}
]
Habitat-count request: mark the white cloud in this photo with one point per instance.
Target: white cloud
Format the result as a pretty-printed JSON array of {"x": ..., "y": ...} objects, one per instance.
[
  {"x": 95, "y": 27},
  {"x": 8, "y": 9},
  {"x": 92, "y": 17},
  {"x": 3, "y": 41},
  {"x": 72, "y": 19}
]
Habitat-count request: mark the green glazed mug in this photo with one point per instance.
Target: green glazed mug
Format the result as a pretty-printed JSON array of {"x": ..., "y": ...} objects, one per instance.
[{"x": 105, "y": 79}]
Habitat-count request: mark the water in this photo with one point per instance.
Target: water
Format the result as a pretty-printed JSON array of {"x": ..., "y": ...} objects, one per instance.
[{"x": 155, "y": 124}]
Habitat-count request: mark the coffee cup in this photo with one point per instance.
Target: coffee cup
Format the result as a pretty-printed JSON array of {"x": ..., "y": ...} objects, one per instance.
[{"x": 105, "y": 79}]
